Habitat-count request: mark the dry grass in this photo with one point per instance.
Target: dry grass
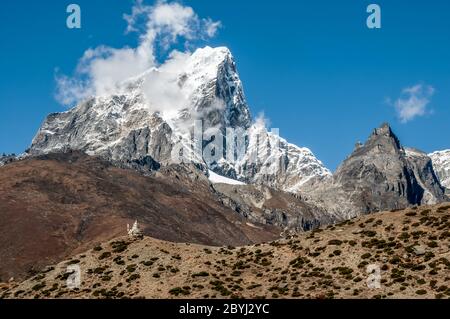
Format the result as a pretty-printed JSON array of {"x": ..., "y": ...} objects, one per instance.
[{"x": 327, "y": 263}]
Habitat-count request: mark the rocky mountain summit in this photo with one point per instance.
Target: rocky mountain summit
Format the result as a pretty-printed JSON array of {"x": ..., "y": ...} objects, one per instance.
[
  {"x": 380, "y": 175},
  {"x": 134, "y": 126}
]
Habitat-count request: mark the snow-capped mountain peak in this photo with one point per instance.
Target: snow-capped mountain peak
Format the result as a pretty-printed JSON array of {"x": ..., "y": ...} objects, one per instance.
[
  {"x": 272, "y": 160},
  {"x": 154, "y": 112}
]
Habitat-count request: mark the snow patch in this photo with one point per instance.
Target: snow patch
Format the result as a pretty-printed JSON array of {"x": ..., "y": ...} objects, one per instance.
[{"x": 217, "y": 179}]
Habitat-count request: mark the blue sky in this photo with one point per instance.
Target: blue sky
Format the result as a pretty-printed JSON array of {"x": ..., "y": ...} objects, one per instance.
[{"x": 313, "y": 67}]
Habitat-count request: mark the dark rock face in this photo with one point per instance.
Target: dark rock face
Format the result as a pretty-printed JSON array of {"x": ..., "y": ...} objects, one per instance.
[
  {"x": 423, "y": 169},
  {"x": 441, "y": 165},
  {"x": 264, "y": 205},
  {"x": 93, "y": 127},
  {"x": 382, "y": 175}
]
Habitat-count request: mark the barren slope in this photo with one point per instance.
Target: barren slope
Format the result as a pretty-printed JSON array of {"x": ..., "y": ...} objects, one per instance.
[
  {"x": 57, "y": 205},
  {"x": 411, "y": 248}
]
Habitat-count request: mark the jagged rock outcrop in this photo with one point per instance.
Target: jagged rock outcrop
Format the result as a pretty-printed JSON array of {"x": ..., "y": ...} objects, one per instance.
[
  {"x": 380, "y": 175},
  {"x": 264, "y": 205}
]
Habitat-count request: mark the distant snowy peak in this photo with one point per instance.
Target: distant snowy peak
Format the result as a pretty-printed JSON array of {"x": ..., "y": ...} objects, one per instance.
[
  {"x": 441, "y": 164},
  {"x": 284, "y": 165},
  {"x": 271, "y": 160}
]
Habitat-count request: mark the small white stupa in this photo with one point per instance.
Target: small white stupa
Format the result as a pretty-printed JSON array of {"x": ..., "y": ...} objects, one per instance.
[{"x": 134, "y": 231}]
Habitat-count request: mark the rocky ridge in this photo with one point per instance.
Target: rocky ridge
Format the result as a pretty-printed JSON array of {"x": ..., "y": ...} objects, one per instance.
[{"x": 379, "y": 175}]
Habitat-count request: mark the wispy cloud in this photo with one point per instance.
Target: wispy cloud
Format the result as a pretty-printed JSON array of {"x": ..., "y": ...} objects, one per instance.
[
  {"x": 102, "y": 70},
  {"x": 413, "y": 102}
]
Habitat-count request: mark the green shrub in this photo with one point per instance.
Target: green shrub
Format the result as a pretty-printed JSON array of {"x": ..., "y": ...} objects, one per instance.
[
  {"x": 265, "y": 262},
  {"x": 104, "y": 255},
  {"x": 219, "y": 286},
  {"x": 404, "y": 236},
  {"x": 337, "y": 252},
  {"x": 119, "y": 246},
  {"x": 299, "y": 262},
  {"x": 118, "y": 260},
  {"x": 147, "y": 263},
  {"x": 200, "y": 274},
  {"x": 369, "y": 233},
  {"x": 38, "y": 286},
  {"x": 133, "y": 277},
  {"x": 335, "y": 242},
  {"x": 425, "y": 212},
  {"x": 131, "y": 268},
  {"x": 432, "y": 244},
  {"x": 99, "y": 270},
  {"x": 179, "y": 291}
]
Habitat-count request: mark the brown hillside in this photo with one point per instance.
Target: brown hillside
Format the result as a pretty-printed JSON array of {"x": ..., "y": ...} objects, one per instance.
[
  {"x": 56, "y": 205},
  {"x": 410, "y": 247}
]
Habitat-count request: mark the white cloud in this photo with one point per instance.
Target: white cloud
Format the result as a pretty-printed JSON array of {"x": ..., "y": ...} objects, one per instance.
[
  {"x": 262, "y": 121},
  {"x": 138, "y": 11},
  {"x": 102, "y": 70},
  {"x": 413, "y": 102},
  {"x": 212, "y": 27},
  {"x": 162, "y": 85}
]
